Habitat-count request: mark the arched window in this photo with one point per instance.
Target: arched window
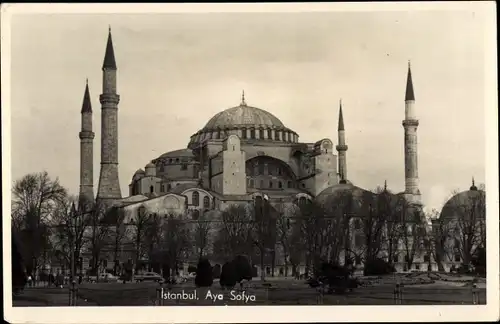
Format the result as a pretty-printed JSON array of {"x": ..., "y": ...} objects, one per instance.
[
  {"x": 261, "y": 133},
  {"x": 261, "y": 184},
  {"x": 302, "y": 201},
  {"x": 270, "y": 183},
  {"x": 280, "y": 185},
  {"x": 206, "y": 202},
  {"x": 252, "y": 133},
  {"x": 162, "y": 168},
  {"x": 195, "y": 214},
  {"x": 177, "y": 160},
  {"x": 269, "y": 134},
  {"x": 196, "y": 198},
  {"x": 162, "y": 188},
  {"x": 250, "y": 183},
  {"x": 151, "y": 189},
  {"x": 289, "y": 184},
  {"x": 244, "y": 133},
  {"x": 276, "y": 135},
  {"x": 278, "y": 170}
]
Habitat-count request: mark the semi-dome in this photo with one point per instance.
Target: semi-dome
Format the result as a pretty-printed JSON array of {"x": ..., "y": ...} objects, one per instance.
[
  {"x": 177, "y": 154},
  {"x": 469, "y": 203}
]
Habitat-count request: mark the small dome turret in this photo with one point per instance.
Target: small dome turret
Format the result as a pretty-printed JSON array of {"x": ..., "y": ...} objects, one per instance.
[{"x": 150, "y": 170}]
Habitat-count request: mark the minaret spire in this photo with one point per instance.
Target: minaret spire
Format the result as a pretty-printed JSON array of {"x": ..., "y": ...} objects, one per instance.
[
  {"x": 86, "y": 135},
  {"x": 109, "y": 56},
  {"x": 86, "y": 106},
  {"x": 109, "y": 184},
  {"x": 410, "y": 124},
  {"x": 410, "y": 95},
  {"x": 341, "y": 147},
  {"x": 341, "y": 118}
]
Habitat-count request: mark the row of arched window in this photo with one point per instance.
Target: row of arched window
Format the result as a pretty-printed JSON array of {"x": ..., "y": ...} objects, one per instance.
[
  {"x": 250, "y": 133},
  {"x": 195, "y": 200},
  {"x": 271, "y": 184}
]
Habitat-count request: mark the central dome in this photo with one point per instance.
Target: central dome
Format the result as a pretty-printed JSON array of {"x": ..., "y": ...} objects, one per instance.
[
  {"x": 248, "y": 123},
  {"x": 243, "y": 115}
]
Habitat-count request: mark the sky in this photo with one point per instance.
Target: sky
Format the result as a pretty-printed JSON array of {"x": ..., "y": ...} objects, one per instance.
[{"x": 175, "y": 71}]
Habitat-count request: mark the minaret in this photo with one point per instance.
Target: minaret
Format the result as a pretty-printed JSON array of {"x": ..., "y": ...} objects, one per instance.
[
  {"x": 109, "y": 185},
  {"x": 410, "y": 124},
  {"x": 86, "y": 196},
  {"x": 342, "y": 148}
]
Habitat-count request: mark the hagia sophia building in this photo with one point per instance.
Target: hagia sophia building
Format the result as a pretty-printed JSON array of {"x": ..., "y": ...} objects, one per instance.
[{"x": 241, "y": 153}]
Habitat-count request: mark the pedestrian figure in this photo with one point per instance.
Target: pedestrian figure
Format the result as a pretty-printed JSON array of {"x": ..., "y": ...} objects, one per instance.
[
  {"x": 80, "y": 279},
  {"x": 30, "y": 281}
]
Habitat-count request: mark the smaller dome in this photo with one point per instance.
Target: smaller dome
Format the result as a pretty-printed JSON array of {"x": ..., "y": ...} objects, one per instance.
[
  {"x": 151, "y": 169},
  {"x": 470, "y": 202},
  {"x": 150, "y": 165},
  {"x": 138, "y": 174},
  {"x": 336, "y": 190},
  {"x": 177, "y": 154}
]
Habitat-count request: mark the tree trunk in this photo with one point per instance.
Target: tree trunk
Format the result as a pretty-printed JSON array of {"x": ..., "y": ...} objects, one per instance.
[{"x": 262, "y": 275}]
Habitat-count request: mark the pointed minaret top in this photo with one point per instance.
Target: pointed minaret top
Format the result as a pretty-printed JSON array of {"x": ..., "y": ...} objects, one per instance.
[
  {"x": 410, "y": 95},
  {"x": 243, "y": 103},
  {"x": 341, "y": 118},
  {"x": 385, "y": 185},
  {"x": 109, "y": 56},
  {"x": 86, "y": 106}
]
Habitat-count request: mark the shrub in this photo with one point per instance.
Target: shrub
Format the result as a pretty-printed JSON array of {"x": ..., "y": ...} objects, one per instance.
[
  {"x": 203, "y": 274},
  {"x": 242, "y": 268},
  {"x": 228, "y": 275},
  {"x": 191, "y": 269},
  {"x": 216, "y": 271},
  {"x": 479, "y": 262},
  {"x": 377, "y": 267}
]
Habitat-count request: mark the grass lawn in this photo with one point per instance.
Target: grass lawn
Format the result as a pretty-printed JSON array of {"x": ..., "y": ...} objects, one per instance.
[{"x": 284, "y": 292}]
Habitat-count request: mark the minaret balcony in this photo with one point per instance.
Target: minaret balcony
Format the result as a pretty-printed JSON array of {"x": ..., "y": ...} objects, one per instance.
[
  {"x": 410, "y": 122},
  {"x": 86, "y": 135},
  {"x": 109, "y": 98},
  {"x": 341, "y": 147}
]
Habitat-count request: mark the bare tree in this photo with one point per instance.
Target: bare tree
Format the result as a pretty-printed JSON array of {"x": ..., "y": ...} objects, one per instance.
[
  {"x": 373, "y": 215},
  {"x": 438, "y": 239},
  {"x": 412, "y": 230},
  {"x": 263, "y": 230},
  {"x": 139, "y": 224},
  {"x": 98, "y": 235},
  {"x": 202, "y": 228},
  {"x": 233, "y": 238},
  {"x": 176, "y": 240},
  {"x": 468, "y": 223},
  {"x": 120, "y": 231},
  {"x": 284, "y": 233},
  {"x": 153, "y": 233},
  {"x": 69, "y": 226},
  {"x": 33, "y": 201}
]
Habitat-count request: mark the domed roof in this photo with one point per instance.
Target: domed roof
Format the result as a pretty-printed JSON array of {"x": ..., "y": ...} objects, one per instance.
[
  {"x": 243, "y": 115},
  {"x": 178, "y": 153},
  {"x": 150, "y": 165},
  {"x": 140, "y": 171},
  {"x": 337, "y": 190},
  {"x": 469, "y": 203}
]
